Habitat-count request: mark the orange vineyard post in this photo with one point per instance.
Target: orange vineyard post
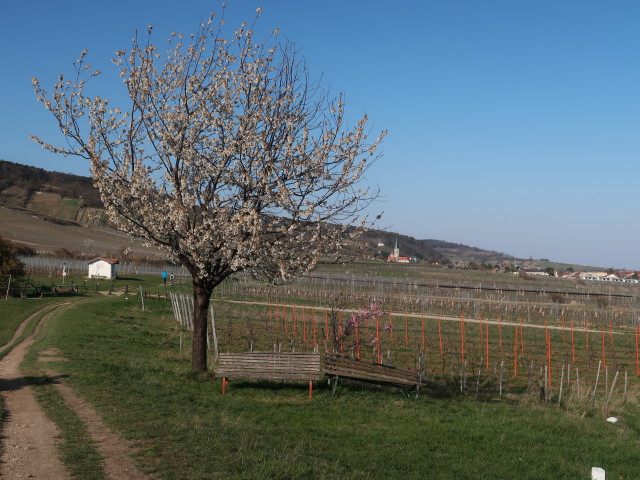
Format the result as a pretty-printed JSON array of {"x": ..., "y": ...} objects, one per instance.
[
  {"x": 439, "y": 335},
  {"x": 295, "y": 324},
  {"x": 326, "y": 325},
  {"x": 548, "y": 336},
  {"x": 637, "y": 365},
  {"x": 313, "y": 321},
  {"x": 573, "y": 354},
  {"x": 521, "y": 339},
  {"x": 340, "y": 332},
  {"x": 378, "y": 339},
  {"x": 604, "y": 355},
  {"x": 462, "y": 335},
  {"x": 304, "y": 325},
  {"x": 515, "y": 351},
  {"x": 284, "y": 317},
  {"x": 586, "y": 329},
  {"x": 611, "y": 335},
  {"x": 406, "y": 329},
  {"x": 486, "y": 339}
]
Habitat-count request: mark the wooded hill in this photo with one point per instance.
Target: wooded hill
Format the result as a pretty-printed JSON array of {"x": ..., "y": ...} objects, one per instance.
[{"x": 19, "y": 183}]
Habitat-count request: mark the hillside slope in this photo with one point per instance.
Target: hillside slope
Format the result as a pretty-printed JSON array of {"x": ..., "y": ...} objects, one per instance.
[
  {"x": 50, "y": 235},
  {"x": 74, "y": 199},
  {"x": 19, "y": 183},
  {"x": 458, "y": 252},
  {"x": 380, "y": 244}
]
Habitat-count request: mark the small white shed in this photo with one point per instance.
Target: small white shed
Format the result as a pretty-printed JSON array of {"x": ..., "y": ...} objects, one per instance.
[{"x": 103, "y": 267}]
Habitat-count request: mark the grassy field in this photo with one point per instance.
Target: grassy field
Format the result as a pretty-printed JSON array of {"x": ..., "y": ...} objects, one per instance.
[
  {"x": 128, "y": 364},
  {"x": 14, "y": 311}
]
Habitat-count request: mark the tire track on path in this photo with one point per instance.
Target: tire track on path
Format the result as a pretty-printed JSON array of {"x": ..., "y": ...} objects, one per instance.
[{"x": 29, "y": 438}]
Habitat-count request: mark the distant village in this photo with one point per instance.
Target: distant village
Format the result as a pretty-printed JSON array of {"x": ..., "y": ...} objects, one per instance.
[
  {"x": 621, "y": 276},
  {"x": 395, "y": 256}
]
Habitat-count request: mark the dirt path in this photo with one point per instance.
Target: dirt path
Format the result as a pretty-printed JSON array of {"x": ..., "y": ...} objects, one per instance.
[
  {"x": 29, "y": 438},
  {"x": 114, "y": 450}
]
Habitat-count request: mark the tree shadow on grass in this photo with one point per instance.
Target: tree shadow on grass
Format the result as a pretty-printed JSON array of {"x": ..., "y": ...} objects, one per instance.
[
  {"x": 13, "y": 384},
  {"x": 301, "y": 388},
  {"x": 436, "y": 390},
  {"x": 44, "y": 379},
  {"x": 274, "y": 386}
]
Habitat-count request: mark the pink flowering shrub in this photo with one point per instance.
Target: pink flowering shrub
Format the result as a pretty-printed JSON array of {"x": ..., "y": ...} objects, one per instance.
[{"x": 351, "y": 333}]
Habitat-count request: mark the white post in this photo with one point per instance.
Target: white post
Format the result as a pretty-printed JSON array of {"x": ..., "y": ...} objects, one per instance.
[
  {"x": 142, "y": 298},
  {"x": 173, "y": 307},
  {"x": 190, "y": 307},
  {"x": 8, "y": 285},
  {"x": 561, "y": 385},
  {"x": 215, "y": 335},
  {"x": 613, "y": 385},
  {"x": 595, "y": 388}
]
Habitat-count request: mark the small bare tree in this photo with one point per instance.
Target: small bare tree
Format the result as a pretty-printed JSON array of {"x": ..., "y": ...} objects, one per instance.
[{"x": 228, "y": 156}]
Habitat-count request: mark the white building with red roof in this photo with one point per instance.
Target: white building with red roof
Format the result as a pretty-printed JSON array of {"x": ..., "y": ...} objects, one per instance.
[{"x": 102, "y": 267}]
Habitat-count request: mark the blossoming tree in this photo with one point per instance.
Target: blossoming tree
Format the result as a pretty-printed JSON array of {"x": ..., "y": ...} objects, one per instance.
[{"x": 227, "y": 155}]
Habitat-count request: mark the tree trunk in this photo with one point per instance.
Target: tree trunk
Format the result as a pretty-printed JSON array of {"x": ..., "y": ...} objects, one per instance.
[{"x": 201, "y": 297}]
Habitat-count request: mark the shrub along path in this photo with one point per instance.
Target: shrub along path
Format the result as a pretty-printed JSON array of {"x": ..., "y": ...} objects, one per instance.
[{"x": 30, "y": 438}]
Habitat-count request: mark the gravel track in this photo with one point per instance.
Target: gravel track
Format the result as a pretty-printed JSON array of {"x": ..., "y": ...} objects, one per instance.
[{"x": 29, "y": 438}]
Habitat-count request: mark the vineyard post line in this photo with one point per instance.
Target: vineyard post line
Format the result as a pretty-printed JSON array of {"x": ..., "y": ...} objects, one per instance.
[{"x": 435, "y": 316}]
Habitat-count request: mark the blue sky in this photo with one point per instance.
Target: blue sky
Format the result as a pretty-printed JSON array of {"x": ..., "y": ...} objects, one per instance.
[{"x": 513, "y": 125}]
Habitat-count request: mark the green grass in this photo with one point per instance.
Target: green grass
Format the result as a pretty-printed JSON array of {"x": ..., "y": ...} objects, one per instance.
[
  {"x": 13, "y": 312},
  {"x": 88, "y": 286},
  {"x": 127, "y": 363}
]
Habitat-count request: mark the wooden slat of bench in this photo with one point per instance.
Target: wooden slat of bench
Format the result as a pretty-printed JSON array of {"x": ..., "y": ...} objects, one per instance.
[
  {"x": 341, "y": 362},
  {"x": 376, "y": 373},
  {"x": 269, "y": 366}
]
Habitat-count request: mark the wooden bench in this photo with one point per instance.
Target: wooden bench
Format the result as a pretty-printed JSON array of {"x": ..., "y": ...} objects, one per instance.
[
  {"x": 308, "y": 367},
  {"x": 343, "y": 367},
  {"x": 269, "y": 366}
]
